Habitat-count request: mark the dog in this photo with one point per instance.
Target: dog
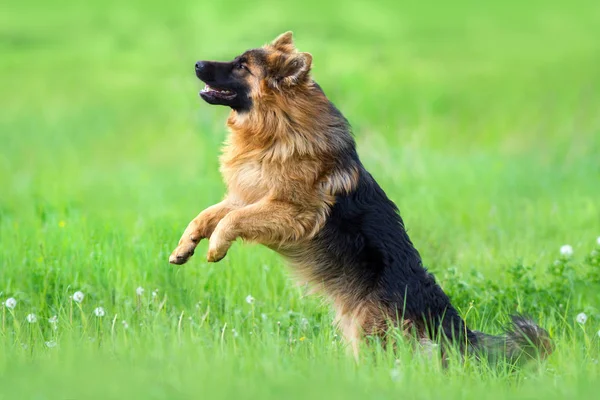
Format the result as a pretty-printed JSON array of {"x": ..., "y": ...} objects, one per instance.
[{"x": 296, "y": 184}]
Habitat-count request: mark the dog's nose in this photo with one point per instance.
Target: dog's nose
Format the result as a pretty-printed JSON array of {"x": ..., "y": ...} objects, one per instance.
[{"x": 200, "y": 65}]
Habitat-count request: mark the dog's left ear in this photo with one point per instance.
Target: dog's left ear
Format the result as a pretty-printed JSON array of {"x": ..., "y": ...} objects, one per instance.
[
  {"x": 284, "y": 42},
  {"x": 294, "y": 69}
]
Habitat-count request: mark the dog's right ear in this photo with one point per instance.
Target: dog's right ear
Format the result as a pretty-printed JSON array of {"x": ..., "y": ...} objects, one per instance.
[{"x": 284, "y": 43}]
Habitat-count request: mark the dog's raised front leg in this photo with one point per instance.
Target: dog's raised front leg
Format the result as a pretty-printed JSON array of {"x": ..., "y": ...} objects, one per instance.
[
  {"x": 268, "y": 222},
  {"x": 200, "y": 228}
]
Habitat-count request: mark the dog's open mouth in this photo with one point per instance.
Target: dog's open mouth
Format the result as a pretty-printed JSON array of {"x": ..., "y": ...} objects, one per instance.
[{"x": 217, "y": 93}]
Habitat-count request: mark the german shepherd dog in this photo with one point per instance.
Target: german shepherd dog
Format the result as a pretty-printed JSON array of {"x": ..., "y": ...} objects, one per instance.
[{"x": 295, "y": 184}]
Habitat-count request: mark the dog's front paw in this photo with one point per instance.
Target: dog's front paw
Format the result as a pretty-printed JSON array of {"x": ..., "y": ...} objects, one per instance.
[
  {"x": 217, "y": 249},
  {"x": 183, "y": 252}
]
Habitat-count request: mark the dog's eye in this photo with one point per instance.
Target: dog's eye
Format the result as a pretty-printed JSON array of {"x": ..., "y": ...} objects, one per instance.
[{"x": 241, "y": 66}]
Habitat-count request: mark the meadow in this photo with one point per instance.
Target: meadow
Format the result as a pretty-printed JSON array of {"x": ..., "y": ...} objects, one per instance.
[{"x": 481, "y": 120}]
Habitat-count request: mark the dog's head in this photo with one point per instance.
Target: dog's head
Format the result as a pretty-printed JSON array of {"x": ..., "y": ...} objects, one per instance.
[{"x": 276, "y": 68}]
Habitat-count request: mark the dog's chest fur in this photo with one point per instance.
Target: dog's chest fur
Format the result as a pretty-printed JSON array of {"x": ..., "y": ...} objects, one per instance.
[
  {"x": 253, "y": 180},
  {"x": 255, "y": 173},
  {"x": 246, "y": 180}
]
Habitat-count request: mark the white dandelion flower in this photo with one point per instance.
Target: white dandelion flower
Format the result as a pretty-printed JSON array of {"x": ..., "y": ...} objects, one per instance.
[
  {"x": 249, "y": 299},
  {"x": 566, "y": 250},
  {"x": 598, "y": 333},
  {"x": 235, "y": 334},
  {"x": 10, "y": 303},
  {"x": 50, "y": 344},
  {"x": 155, "y": 293},
  {"x": 581, "y": 318},
  {"x": 99, "y": 312},
  {"x": 598, "y": 240},
  {"x": 395, "y": 374},
  {"x": 31, "y": 318},
  {"x": 304, "y": 323},
  {"x": 139, "y": 291},
  {"x": 125, "y": 324},
  {"x": 78, "y": 296}
]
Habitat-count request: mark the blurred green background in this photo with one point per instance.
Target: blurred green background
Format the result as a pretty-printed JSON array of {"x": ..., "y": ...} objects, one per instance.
[{"x": 481, "y": 120}]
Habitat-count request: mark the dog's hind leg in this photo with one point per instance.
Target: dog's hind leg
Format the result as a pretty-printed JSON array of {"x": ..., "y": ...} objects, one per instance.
[{"x": 199, "y": 228}]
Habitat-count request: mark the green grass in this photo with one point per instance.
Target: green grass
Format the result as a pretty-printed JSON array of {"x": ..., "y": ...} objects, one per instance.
[{"x": 480, "y": 119}]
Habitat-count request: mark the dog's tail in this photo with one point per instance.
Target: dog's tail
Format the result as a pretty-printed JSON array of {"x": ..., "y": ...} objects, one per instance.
[{"x": 522, "y": 340}]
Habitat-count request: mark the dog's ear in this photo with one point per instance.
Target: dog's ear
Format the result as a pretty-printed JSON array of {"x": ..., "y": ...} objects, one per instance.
[
  {"x": 284, "y": 42},
  {"x": 293, "y": 69}
]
